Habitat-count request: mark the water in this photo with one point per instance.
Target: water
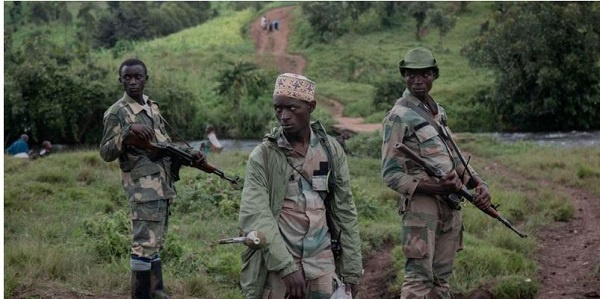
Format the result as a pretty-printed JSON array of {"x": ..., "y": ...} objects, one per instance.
[
  {"x": 245, "y": 145},
  {"x": 556, "y": 139}
]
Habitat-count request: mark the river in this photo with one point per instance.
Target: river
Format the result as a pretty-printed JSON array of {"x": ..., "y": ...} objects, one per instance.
[{"x": 558, "y": 139}]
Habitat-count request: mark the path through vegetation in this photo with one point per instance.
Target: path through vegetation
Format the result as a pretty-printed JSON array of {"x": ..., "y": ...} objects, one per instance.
[
  {"x": 568, "y": 252},
  {"x": 271, "y": 47}
]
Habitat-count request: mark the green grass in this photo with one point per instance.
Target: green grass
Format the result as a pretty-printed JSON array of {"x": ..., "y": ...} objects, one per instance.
[{"x": 66, "y": 222}]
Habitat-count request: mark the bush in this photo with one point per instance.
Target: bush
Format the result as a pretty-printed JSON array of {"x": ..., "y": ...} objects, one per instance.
[
  {"x": 109, "y": 234},
  {"x": 365, "y": 145}
]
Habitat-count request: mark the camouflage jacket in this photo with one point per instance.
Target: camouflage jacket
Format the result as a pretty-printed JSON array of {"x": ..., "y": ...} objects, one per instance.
[
  {"x": 266, "y": 181},
  {"x": 143, "y": 180},
  {"x": 404, "y": 125}
]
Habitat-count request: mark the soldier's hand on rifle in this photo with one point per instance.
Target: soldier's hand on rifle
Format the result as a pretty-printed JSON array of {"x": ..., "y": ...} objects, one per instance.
[
  {"x": 482, "y": 197},
  {"x": 449, "y": 183},
  {"x": 295, "y": 285},
  {"x": 139, "y": 135},
  {"x": 142, "y": 131},
  {"x": 200, "y": 159}
]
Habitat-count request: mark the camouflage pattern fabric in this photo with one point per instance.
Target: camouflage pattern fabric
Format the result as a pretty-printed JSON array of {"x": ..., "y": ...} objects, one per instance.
[
  {"x": 431, "y": 236},
  {"x": 432, "y": 232},
  {"x": 144, "y": 181},
  {"x": 302, "y": 220},
  {"x": 149, "y": 227},
  {"x": 318, "y": 288}
]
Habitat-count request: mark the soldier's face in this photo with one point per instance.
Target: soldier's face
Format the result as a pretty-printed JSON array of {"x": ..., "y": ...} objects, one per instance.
[
  {"x": 133, "y": 79},
  {"x": 293, "y": 114},
  {"x": 419, "y": 82}
]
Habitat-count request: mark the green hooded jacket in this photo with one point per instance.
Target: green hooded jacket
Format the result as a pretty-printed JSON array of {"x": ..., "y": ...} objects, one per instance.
[{"x": 267, "y": 172}]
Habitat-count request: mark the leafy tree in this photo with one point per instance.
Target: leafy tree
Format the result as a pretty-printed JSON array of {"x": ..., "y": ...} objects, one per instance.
[
  {"x": 444, "y": 23},
  {"x": 177, "y": 105},
  {"x": 238, "y": 81},
  {"x": 15, "y": 12},
  {"x": 325, "y": 18},
  {"x": 546, "y": 59},
  {"x": 356, "y": 8},
  {"x": 390, "y": 12},
  {"x": 85, "y": 22},
  {"x": 419, "y": 10}
]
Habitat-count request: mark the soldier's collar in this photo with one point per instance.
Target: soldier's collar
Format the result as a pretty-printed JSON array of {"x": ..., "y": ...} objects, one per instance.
[
  {"x": 411, "y": 98},
  {"x": 284, "y": 143},
  {"x": 134, "y": 105}
]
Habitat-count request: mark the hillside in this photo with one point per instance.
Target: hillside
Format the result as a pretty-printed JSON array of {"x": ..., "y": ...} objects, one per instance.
[{"x": 345, "y": 70}]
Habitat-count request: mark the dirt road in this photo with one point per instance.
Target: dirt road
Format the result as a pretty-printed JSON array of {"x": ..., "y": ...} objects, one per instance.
[{"x": 271, "y": 48}]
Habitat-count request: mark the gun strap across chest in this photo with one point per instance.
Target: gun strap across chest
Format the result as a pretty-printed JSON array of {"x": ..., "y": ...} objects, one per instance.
[
  {"x": 329, "y": 198},
  {"x": 446, "y": 137}
]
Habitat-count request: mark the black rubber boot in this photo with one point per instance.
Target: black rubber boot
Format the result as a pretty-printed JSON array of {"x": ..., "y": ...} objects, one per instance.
[
  {"x": 140, "y": 284},
  {"x": 158, "y": 289}
]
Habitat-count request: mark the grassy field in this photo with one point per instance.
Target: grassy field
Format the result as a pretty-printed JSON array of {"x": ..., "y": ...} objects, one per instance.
[{"x": 66, "y": 222}]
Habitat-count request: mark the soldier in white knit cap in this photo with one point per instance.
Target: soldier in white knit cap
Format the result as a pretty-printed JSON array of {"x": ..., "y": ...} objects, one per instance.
[{"x": 297, "y": 191}]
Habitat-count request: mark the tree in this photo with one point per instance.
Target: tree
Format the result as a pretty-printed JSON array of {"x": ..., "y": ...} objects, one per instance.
[
  {"x": 444, "y": 23},
  {"x": 419, "y": 10},
  {"x": 86, "y": 22},
  {"x": 545, "y": 55},
  {"x": 241, "y": 80},
  {"x": 325, "y": 18}
]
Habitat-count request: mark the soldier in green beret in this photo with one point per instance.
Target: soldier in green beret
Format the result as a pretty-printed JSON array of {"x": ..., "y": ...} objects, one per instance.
[
  {"x": 432, "y": 228},
  {"x": 129, "y": 124}
]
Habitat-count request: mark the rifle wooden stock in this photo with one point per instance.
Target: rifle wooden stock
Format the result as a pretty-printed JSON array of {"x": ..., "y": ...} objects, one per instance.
[{"x": 464, "y": 192}]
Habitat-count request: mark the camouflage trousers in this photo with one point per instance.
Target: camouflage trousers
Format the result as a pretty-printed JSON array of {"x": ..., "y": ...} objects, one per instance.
[
  {"x": 431, "y": 236},
  {"x": 319, "y": 288},
  {"x": 149, "y": 223}
]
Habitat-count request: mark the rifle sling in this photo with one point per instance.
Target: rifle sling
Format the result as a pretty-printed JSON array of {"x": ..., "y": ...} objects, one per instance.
[{"x": 446, "y": 138}]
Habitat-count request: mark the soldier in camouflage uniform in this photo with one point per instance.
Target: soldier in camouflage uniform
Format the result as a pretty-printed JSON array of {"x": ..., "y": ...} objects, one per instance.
[
  {"x": 131, "y": 121},
  {"x": 432, "y": 230},
  {"x": 288, "y": 179}
]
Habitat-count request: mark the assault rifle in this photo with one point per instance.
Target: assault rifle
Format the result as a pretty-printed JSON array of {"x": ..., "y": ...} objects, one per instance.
[
  {"x": 179, "y": 158},
  {"x": 463, "y": 192}
]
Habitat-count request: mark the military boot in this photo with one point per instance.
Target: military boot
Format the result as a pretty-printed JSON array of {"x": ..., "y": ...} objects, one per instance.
[
  {"x": 158, "y": 289},
  {"x": 140, "y": 284}
]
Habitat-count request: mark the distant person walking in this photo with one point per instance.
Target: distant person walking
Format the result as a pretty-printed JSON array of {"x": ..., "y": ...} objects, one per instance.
[
  {"x": 264, "y": 22},
  {"x": 213, "y": 141},
  {"x": 19, "y": 148},
  {"x": 275, "y": 24}
]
